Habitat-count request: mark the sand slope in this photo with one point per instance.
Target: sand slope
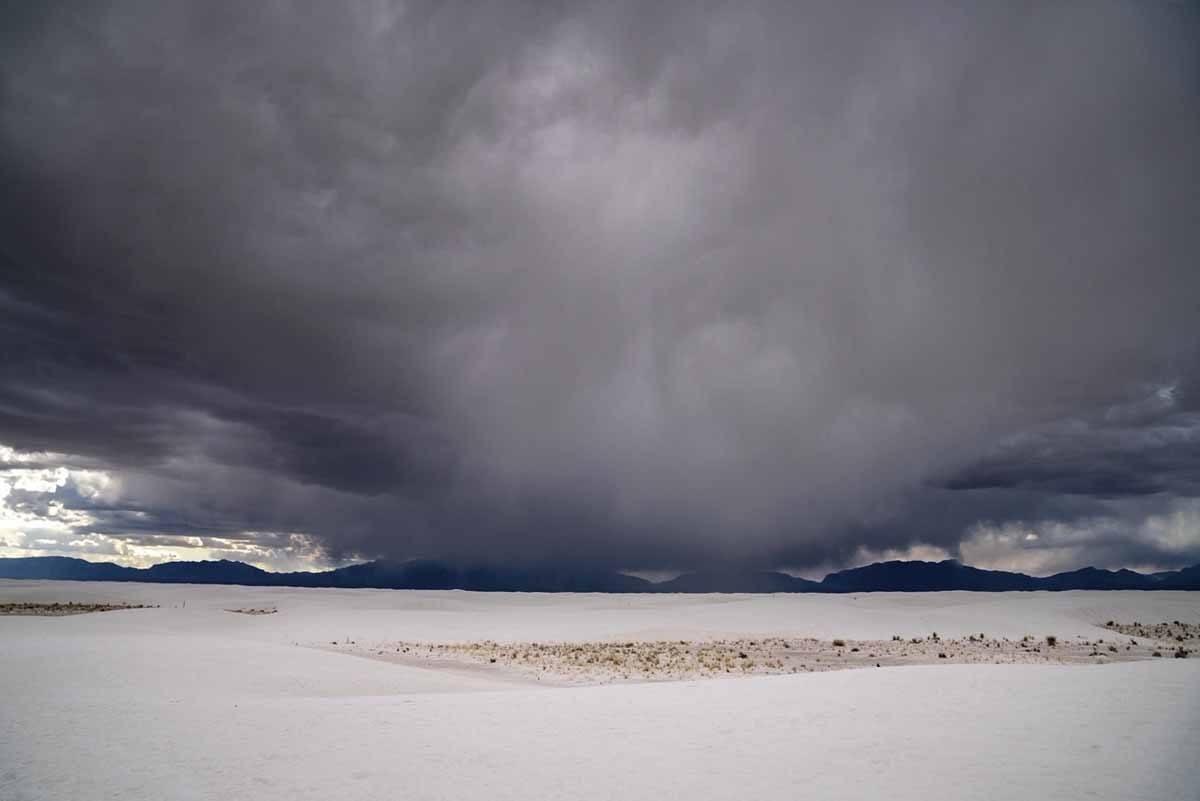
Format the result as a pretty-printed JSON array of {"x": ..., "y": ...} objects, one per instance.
[{"x": 196, "y": 703}]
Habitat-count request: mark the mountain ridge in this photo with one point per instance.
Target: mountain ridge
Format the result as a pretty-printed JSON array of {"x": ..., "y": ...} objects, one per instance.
[{"x": 892, "y": 576}]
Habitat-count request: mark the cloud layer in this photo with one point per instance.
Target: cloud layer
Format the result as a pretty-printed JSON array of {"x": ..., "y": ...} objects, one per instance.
[{"x": 589, "y": 281}]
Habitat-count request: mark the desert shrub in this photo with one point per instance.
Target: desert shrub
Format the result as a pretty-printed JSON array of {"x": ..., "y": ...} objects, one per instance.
[
  {"x": 1182, "y": 653},
  {"x": 1156, "y": 653},
  {"x": 839, "y": 643},
  {"x": 1051, "y": 640},
  {"x": 941, "y": 656}
]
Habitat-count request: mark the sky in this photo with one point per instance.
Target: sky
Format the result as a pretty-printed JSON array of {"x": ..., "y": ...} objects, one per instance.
[{"x": 635, "y": 286}]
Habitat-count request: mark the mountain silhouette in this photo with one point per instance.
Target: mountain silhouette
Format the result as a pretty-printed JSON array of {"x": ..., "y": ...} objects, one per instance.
[
  {"x": 911, "y": 576},
  {"x": 917, "y": 576},
  {"x": 737, "y": 581},
  {"x": 381, "y": 574}
]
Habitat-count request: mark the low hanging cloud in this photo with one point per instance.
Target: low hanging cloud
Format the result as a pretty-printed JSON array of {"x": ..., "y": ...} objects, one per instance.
[{"x": 779, "y": 283}]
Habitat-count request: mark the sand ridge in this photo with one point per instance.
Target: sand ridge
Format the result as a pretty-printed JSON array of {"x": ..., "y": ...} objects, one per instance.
[
  {"x": 679, "y": 660},
  {"x": 60, "y": 609}
]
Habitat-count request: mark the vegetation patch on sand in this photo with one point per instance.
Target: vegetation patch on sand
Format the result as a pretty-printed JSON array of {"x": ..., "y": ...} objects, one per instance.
[
  {"x": 254, "y": 611},
  {"x": 664, "y": 660},
  {"x": 1175, "y": 631},
  {"x": 60, "y": 609},
  {"x": 1185, "y": 637}
]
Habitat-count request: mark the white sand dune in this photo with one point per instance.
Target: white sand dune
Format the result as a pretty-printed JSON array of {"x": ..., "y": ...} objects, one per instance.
[{"x": 188, "y": 701}]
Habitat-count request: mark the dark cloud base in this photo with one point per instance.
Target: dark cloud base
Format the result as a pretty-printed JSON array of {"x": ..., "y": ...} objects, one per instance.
[{"x": 758, "y": 284}]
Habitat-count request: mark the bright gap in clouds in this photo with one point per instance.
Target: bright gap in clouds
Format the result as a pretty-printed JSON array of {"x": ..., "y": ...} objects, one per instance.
[{"x": 49, "y": 509}]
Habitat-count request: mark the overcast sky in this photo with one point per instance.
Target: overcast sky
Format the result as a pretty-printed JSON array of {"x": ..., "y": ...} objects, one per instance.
[{"x": 637, "y": 285}]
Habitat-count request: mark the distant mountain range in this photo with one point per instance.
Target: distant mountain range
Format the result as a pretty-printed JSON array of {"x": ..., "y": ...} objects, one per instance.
[{"x": 431, "y": 575}]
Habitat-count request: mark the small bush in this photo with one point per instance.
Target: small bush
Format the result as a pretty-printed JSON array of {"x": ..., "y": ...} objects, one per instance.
[
  {"x": 839, "y": 643},
  {"x": 1156, "y": 653},
  {"x": 1051, "y": 640},
  {"x": 1182, "y": 653},
  {"x": 941, "y": 656}
]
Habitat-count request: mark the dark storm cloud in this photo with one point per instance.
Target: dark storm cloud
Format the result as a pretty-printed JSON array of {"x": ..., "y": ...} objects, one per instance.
[
  {"x": 1089, "y": 457},
  {"x": 598, "y": 281}
]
